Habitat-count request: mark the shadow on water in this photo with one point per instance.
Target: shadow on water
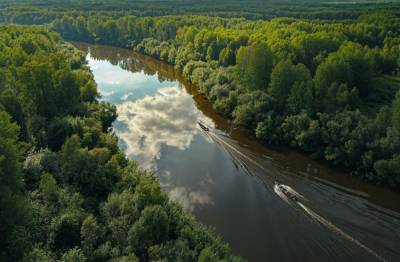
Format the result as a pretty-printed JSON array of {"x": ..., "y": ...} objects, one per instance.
[{"x": 339, "y": 218}]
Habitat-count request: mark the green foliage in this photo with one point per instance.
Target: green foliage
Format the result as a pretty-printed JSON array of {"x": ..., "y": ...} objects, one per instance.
[
  {"x": 37, "y": 163},
  {"x": 301, "y": 131},
  {"x": 343, "y": 76},
  {"x": 86, "y": 170},
  {"x": 90, "y": 235},
  {"x": 73, "y": 255},
  {"x": 207, "y": 255},
  {"x": 65, "y": 230},
  {"x": 396, "y": 112},
  {"x": 14, "y": 212},
  {"x": 151, "y": 229},
  {"x": 245, "y": 69},
  {"x": 252, "y": 108},
  {"x": 291, "y": 85},
  {"x": 39, "y": 254},
  {"x": 82, "y": 200},
  {"x": 389, "y": 169},
  {"x": 328, "y": 88},
  {"x": 268, "y": 130},
  {"x": 48, "y": 188},
  {"x": 301, "y": 97},
  {"x": 254, "y": 66},
  {"x": 9, "y": 153}
]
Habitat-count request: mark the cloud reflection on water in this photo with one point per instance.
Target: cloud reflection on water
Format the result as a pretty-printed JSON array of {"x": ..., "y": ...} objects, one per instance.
[
  {"x": 189, "y": 197},
  {"x": 168, "y": 118},
  {"x": 154, "y": 117}
]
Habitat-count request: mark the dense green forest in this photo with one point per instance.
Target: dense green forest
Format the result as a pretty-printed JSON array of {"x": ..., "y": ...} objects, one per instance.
[
  {"x": 67, "y": 192},
  {"x": 328, "y": 87},
  {"x": 323, "y": 77},
  {"x": 249, "y": 9}
]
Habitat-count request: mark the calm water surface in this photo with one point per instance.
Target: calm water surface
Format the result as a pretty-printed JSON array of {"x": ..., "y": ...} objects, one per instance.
[{"x": 226, "y": 179}]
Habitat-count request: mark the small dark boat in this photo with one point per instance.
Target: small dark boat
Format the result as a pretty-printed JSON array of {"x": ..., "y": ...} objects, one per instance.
[{"x": 203, "y": 127}]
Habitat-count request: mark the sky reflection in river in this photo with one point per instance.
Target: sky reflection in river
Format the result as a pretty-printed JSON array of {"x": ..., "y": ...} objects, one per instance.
[
  {"x": 167, "y": 118},
  {"x": 117, "y": 86},
  {"x": 152, "y": 116},
  {"x": 226, "y": 179}
]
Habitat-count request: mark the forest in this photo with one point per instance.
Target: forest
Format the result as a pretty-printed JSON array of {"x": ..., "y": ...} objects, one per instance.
[
  {"x": 323, "y": 78},
  {"x": 67, "y": 192},
  {"x": 327, "y": 87},
  {"x": 21, "y": 10}
]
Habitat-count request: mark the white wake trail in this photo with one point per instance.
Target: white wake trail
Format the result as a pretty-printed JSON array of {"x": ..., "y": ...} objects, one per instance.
[
  {"x": 339, "y": 231},
  {"x": 300, "y": 197},
  {"x": 236, "y": 151}
]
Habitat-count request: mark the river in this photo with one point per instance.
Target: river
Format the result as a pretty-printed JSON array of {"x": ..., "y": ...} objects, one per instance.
[{"x": 226, "y": 179}]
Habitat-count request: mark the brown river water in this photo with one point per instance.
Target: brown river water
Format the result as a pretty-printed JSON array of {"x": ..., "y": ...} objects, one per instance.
[{"x": 226, "y": 178}]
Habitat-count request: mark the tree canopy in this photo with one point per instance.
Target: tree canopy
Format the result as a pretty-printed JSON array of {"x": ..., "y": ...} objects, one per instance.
[
  {"x": 67, "y": 192},
  {"x": 287, "y": 79}
]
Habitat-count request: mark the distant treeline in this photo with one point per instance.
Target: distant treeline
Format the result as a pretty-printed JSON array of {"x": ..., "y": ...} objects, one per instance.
[
  {"x": 249, "y": 9},
  {"x": 67, "y": 192}
]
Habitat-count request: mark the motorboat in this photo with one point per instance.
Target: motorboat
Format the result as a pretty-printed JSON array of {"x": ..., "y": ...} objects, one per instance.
[
  {"x": 203, "y": 127},
  {"x": 287, "y": 192}
]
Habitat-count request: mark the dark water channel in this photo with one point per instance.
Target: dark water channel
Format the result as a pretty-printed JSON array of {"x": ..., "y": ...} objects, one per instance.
[{"x": 226, "y": 179}]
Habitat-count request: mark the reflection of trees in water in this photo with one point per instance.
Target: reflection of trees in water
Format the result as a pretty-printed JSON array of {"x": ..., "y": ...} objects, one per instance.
[
  {"x": 136, "y": 62},
  {"x": 131, "y": 61},
  {"x": 295, "y": 162}
]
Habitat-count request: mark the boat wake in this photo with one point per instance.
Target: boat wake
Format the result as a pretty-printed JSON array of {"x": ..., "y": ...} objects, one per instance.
[
  {"x": 285, "y": 192},
  {"x": 290, "y": 196}
]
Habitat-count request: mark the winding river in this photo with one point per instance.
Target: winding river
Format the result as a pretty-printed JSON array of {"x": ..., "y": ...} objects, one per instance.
[{"x": 226, "y": 179}]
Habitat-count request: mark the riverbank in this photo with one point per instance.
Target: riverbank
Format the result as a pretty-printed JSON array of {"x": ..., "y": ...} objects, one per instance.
[
  {"x": 336, "y": 101},
  {"x": 226, "y": 179},
  {"x": 276, "y": 136},
  {"x": 295, "y": 160}
]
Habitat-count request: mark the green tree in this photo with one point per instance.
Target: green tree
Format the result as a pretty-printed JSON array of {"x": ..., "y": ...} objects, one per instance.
[
  {"x": 252, "y": 108},
  {"x": 389, "y": 169},
  {"x": 90, "y": 234},
  {"x": 151, "y": 228},
  {"x": 48, "y": 188},
  {"x": 73, "y": 255},
  {"x": 67, "y": 91},
  {"x": 286, "y": 76},
  {"x": 396, "y": 112},
  {"x": 301, "y": 97},
  {"x": 65, "y": 230},
  {"x": 254, "y": 65},
  {"x": 269, "y": 130},
  {"x": 38, "y": 253},
  {"x": 14, "y": 212},
  {"x": 227, "y": 57},
  {"x": 350, "y": 65}
]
